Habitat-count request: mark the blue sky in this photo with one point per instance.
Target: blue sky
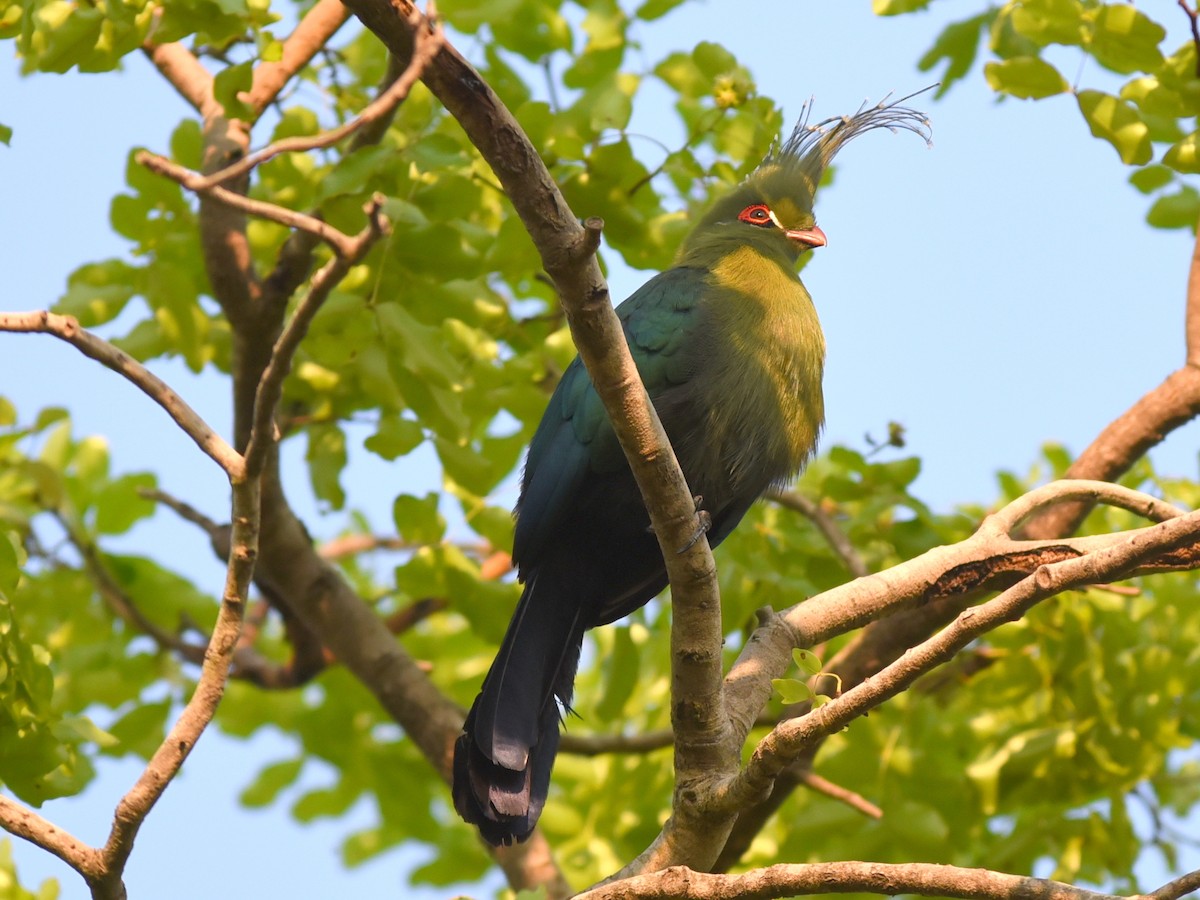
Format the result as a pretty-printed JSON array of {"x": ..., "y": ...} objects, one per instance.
[{"x": 993, "y": 292}]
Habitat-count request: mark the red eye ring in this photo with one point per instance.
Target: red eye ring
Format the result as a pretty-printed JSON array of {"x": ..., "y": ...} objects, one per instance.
[{"x": 757, "y": 214}]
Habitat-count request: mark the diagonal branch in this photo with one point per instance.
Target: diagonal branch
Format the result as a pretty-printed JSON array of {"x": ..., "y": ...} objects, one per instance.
[
  {"x": 183, "y": 71},
  {"x": 67, "y": 328},
  {"x": 795, "y": 736},
  {"x": 429, "y": 41},
  {"x": 163, "y": 766},
  {"x": 319, "y": 24},
  {"x": 833, "y": 535},
  {"x": 342, "y": 243},
  {"x": 20, "y": 820},
  {"x": 1144, "y": 425},
  {"x": 270, "y": 385}
]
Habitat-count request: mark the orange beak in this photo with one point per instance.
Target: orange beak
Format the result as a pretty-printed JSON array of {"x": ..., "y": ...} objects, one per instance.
[{"x": 813, "y": 237}]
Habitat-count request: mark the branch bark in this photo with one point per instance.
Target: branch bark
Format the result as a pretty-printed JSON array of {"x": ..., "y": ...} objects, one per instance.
[
  {"x": 922, "y": 879},
  {"x": 319, "y": 24},
  {"x": 703, "y": 749},
  {"x": 66, "y": 328}
]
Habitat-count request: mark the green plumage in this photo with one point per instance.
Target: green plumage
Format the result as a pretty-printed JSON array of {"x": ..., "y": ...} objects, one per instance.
[{"x": 731, "y": 352}]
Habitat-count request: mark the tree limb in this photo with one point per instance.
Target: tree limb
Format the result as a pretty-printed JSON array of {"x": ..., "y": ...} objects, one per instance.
[
  {"x": 833, "y": 535},
  {"x": 429, "y": 41},
  {"x": 20, "y": 820},
  {"x": 131, "y": 812},
  {"x": 319, "y": 24},
  {"x": 179, "y": 66},
  {"x": 270, "y": 385},
  {"x": 342, "y": 243},
  {"x": 704, "y": 748},
  {"x": 66, "y": 328},
  {"x": 1146, "y": 424},
  {"x": 794, "y": 736},
  {"x": 787, "y": 880}
]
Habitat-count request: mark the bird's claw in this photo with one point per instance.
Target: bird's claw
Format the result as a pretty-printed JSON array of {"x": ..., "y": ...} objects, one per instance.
[{"x": 703, "y": 525}]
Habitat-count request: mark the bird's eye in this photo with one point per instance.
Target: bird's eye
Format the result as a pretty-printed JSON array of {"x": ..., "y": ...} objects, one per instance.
[{"x": 758, "y": 214}]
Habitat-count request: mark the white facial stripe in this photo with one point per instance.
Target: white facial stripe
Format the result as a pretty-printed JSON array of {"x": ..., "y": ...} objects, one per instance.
[{"x": 774, "y": 218}]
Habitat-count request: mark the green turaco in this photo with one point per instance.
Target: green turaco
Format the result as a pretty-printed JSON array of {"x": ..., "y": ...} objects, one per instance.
[{"x": 731, "y": 352}]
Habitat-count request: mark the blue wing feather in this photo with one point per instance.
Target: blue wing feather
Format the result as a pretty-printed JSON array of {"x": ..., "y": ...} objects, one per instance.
[{"x": 575, "y": 438}]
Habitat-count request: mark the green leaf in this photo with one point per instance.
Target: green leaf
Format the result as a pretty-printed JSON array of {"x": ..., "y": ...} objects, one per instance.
[
  {"x": 417, "y": 519},
  {"x": 395, "y": 437},
  {"x": 1184, "y": 155},
  {"x": 1124, "y": 39},
  {"x": 10, "y": 566},
  {"x": 6, "y": 134},
  {"x": 622, "y": 666},
  {"x": 270, "y": 782},
  {"x": 957, "y": 44},
  {"x": 140, "y": 731},
  {"x": 119, "y": 504},
  {"x": 791, "y": 691},
  {"x": 69, "y": 30},
  {"x": 1118, "y": 123},
  {"x": 1178, "y": 210},
  {"x": 897, "y": 7},
  {"x": 1050, "y": 21},
  {"x": 1150, "y": 178},
  {"x": 1027, "y": 77},
  {"x": 231, "y": 81},
  {"x": 806, "y": 661},
  {"x": 10, "y": 885},
  {"x": 656, "y": 9},
  {"x": 326, "y": 457}
]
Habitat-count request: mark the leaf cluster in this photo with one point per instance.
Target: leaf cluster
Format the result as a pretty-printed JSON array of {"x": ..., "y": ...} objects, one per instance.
[{"x": 1135, "y": 90}]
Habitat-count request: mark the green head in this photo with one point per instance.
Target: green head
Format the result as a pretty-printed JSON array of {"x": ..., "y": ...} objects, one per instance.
[{"x": 773, "y": 207}]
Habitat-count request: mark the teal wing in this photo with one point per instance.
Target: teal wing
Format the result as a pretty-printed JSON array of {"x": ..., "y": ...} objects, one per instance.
[{"x": 575, "y": 441}]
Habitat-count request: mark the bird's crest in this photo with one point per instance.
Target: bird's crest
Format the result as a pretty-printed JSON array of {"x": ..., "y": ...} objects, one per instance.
[{"x": 810, "y": 148}]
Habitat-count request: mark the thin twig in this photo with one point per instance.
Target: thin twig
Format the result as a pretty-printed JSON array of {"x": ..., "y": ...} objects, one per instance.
[
  {"x": 270, "y": 385},
  {"x": 1007, "y": 520},
  {"x": 185, "y": 511},
  {"x": 429, "y": 41},
  {"x": 854, "y": 800},
  {"x": 119, "y": 601},
  {"x": 834, "y": 536},
  {"x": 67, "y": 328},
  {"x": 1192, "y": 16},
  {"x": 194, "y": 181}
]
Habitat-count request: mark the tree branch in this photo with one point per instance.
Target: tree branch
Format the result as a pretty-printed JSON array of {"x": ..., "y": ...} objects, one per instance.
[
  {"x": 786, "y": 880},
  {"x": 133, "y": 808},
  {"x": 20, "y": 820},
  {"x": 703, "y": 747},
  {"x": 1144, "y": 425},
  {"x": 319, "y": 24},
  {"x": 66, "y": 328},
  {"x": 341, "y": 243},
  {"x": 183, "y": 71},
  {"x": 429, "y": 41},
  {"x": 794, "y": 736},
  {"x": 833, "y": 535},
  {"x": 270, "y": 385},
  {"x": 853, "y": 799}
]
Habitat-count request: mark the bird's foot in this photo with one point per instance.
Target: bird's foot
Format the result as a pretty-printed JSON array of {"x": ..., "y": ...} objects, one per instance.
[{"x": 703, "y": 525}]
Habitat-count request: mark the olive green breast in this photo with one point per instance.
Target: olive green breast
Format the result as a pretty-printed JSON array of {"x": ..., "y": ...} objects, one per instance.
[{"x": 765, "y": 362}]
